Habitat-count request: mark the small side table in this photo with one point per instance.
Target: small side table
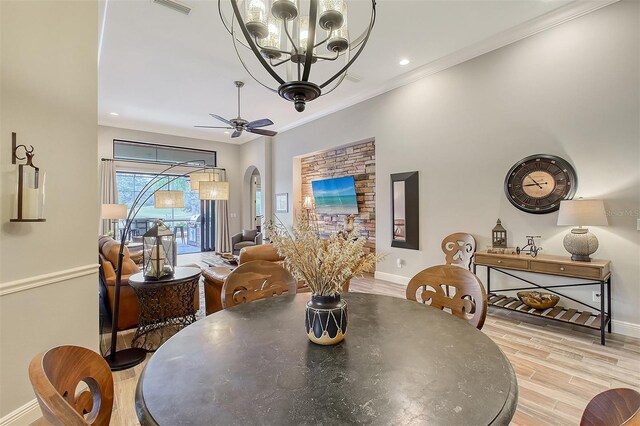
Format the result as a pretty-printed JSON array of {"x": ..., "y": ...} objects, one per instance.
[{"x": 166, "y": 306}]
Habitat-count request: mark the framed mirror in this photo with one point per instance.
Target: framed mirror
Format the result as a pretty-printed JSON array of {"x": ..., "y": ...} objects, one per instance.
[{"x": 405, "y": 214}]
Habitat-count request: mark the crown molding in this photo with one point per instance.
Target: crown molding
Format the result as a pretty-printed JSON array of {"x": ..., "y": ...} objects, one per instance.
[{"x": 529, "y": 28}]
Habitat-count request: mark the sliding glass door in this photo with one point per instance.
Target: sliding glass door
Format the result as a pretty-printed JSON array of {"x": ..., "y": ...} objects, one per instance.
[{"x": 187, "y": 223}]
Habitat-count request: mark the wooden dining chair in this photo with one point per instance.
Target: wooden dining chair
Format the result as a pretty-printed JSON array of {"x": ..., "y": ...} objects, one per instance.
[
  {"x": 256, "y": 280},
  {"x": 459, "y": 249},
  {"x": 452, "y": 289},
  {"x": 55, "y": 376},
  {"x": 614, "y": 407}
]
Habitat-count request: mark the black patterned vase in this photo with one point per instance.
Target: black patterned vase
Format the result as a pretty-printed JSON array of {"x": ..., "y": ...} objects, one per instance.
[{"x": 326, "y": 319}]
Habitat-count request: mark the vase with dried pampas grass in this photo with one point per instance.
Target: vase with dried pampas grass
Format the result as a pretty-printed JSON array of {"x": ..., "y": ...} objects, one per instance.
[{"x": 325, "y": 265}]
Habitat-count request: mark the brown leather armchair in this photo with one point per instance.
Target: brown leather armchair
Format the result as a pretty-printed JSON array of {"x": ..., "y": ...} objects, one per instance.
[
  {"x": 214, "y": 277},
  {"x": 129, "y": 309}
]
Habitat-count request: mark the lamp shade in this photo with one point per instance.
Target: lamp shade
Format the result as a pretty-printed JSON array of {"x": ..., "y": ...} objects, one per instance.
[
  {"x": 168, "y": 199},
  {"x": 582, "y": 213},
  {"x": 214, "y": 190},
  {"x": 196, "y": 178},
  {"x": 114, "y": 211}
]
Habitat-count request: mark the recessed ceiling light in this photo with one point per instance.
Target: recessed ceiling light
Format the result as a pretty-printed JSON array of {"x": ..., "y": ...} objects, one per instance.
[
  {"x": 404, "y": 61},
  {"x": 115, "y": 114}
]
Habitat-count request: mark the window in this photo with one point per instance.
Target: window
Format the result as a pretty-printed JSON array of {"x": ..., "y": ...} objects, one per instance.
[
  {"x": 152, "y": 153},
  {"x": 188, "y": 217},
  {"x": 259, "y": 203}
]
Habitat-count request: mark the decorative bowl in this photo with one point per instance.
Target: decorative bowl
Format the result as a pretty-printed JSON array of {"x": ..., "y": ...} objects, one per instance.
[{"x": 538, "y": 300}]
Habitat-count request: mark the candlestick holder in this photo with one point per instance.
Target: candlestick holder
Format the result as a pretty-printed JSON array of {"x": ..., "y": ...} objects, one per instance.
[{"x": 30, "y": 190}]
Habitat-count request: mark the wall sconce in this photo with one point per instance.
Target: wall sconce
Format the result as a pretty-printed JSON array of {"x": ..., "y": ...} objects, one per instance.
[
  {"x": 30, "y": 191},
  {"x": 307, "y": 204}
]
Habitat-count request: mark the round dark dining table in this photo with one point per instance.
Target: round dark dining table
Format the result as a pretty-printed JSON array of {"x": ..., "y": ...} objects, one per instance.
[{"x": 400, "y": 363}]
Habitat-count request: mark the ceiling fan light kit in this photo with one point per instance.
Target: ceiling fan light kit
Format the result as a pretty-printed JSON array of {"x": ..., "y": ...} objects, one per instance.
[{"x": 287, "y": 43}]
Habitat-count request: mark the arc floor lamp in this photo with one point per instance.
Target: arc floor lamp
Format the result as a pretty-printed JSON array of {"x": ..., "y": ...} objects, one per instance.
[{"x": 213, "y": 190}]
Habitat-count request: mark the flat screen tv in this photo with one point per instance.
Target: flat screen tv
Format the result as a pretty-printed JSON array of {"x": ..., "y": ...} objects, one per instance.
[{"x": 335, "y": 196}]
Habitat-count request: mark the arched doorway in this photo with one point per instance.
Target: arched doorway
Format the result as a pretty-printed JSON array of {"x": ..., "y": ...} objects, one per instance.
[
  {"x": 257, "y": 204},
  {"x": 254, "y": 199}
]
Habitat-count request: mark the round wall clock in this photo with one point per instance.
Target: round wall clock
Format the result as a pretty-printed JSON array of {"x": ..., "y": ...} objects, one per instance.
[{"x": 538, "y": 183}]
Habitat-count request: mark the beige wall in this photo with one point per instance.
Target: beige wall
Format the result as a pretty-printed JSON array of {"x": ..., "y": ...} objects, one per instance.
[
  {"x": 571, "y": 91},
  {"x": 228, "y": 157},
  {"x": 48, "y": 271}
]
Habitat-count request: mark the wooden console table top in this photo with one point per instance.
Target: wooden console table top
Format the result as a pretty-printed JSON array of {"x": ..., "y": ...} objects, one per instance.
[{"x": 546, "y": 264}]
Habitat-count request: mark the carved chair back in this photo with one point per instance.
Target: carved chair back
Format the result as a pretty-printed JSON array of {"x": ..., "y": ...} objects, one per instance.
[
  {"x": 256, "y": 280},
  {"x": 459, "y": 249},
  {"x": 468, "y": 299},
  {"x": 55, "y": 376},
  {"x": 613, "y": 407}
]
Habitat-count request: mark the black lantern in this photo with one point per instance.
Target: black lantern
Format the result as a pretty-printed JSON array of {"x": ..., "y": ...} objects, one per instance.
[
  {"x": 499, "y": 236},
  {"x": 158, "y": 255}
]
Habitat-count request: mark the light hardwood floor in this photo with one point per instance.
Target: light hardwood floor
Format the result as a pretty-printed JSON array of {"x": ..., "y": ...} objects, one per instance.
[{"x": 559, "y": 369}]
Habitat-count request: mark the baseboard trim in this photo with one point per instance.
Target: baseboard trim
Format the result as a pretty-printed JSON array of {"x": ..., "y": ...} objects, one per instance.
[
  {"x": 46, "y": 279},
  {"x": 626, "y": 328},
  {"x": 396, "y": 279},
  {"x": 25, "y": 415}
]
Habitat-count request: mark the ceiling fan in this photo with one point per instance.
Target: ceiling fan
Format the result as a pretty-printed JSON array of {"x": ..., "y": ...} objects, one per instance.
[{"x": 239, "y": 124}]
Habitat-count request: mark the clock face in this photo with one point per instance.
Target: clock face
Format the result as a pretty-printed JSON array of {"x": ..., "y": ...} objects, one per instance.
[{"x": 538, "y": 183}]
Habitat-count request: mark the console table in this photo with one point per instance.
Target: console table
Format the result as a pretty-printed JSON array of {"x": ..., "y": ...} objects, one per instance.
[{"x": 595, "y": 273}]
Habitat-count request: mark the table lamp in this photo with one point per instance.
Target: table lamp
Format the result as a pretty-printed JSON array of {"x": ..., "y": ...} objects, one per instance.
[
  {"x": 114, "y": 212},
  {"x": 580, "y": 242}
]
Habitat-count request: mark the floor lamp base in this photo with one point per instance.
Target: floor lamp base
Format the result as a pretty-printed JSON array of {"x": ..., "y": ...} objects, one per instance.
[{"x": 125, "y": 358}]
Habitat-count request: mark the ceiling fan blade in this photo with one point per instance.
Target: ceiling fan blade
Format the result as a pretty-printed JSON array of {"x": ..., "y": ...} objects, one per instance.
[
  {"x": 236, "y": 134},
  {"x": 224, "y": 120},
  {"x": 262, "y": 132},
  {"x": 259, "y": 123},
  {"x": 213, "y": 127}
]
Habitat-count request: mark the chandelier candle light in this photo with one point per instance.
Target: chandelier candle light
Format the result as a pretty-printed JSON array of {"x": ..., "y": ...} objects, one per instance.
[{"x": 287, "y": 43}]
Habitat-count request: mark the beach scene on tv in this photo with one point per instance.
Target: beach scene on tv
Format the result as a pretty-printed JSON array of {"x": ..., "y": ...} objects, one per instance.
[{"x": 335, "y": 196}]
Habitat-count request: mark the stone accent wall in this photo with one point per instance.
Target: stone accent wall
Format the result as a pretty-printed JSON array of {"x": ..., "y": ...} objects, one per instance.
[{"x": 358, "y": 161}]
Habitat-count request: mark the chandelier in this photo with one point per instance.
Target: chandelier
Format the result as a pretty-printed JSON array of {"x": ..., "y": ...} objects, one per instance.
[{"x": 287, "y": 43}]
